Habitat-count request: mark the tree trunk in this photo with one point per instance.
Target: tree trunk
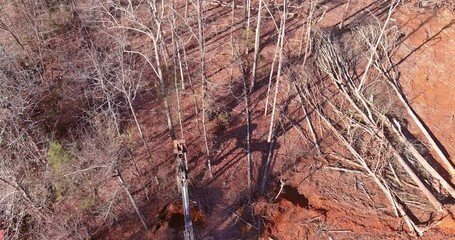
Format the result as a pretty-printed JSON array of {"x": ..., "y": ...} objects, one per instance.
[
  {"x": 139, "y": 128},
  {"x": 200, "y": 14},
  {"x": 158, "y": 42},
  {"x": 130, "y": 196},
  {"x": 246, "y": 96},
  {"x": 272, "y": 118},
  {"x": 272, "y": 68},
  {"x": 267, "y": 163},
  {"x": 177, "y": 62},
  {"x": 248, "y": 21},
  {"x": 163, "y": 89},
  {"x": 306, "y": 35},
  {"x": 345, "y": 13},
  {"x": 278, "y": 76},
  {"x": 393, "y": 5},
  {"x": 307, "y": 116},
  {"x": 256, "y": 47}
]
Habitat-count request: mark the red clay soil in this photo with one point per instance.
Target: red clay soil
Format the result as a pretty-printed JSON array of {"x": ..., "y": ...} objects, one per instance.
[
  {"x": 427, "y": 66},
  {"x": 316, "y": 202}
]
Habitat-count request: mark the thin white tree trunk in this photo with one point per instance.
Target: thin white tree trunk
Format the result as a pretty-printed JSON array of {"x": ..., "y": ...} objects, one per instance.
[
  {"x": 272, "y": 118},
  {"x": 246, "y": 96},
  {"x": 185, "y": 66},
  {"x": 306, "y": 35},
  {"x": 345, "y": 13},
  {"x": 307, "y": 116},
  {"x": 158, "y": 42},
  {"x": 231, "y": 76},
  {"x": 175, "y": 40},
  {"x": 267, "y": 163},
  {"x": 200, "y": 13},
  {"x": 278, "y": 77},
  {"x": 257, "y": 40},
  {"x": 177, "y": 62},
  {"x": 248, "y": 23},
  {"x": 272, "y": 68},
  {"x": 167, "y": 108},
  {"x": 275, "y": 56},
  {"x": 139, "y": 128},
  {"x": 131, "y": 198}
]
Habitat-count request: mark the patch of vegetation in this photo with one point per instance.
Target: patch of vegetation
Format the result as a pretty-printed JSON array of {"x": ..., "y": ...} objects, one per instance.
[
  {"x": 87, "y": 203},
  {"x": 61, "y": 17},
  {"x": 248, "y": 37},
  {"x": 128, "y": 137},
  {"x": 262, "y": 60},
  {"x": 224, "y": 118},
  {"x": 57, "y": 156}
]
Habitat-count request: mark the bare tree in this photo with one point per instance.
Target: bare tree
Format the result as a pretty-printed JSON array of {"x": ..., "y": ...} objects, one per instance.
[
  {"x": 247, "y": 16},
  {"x": 257, "y": 39},
  {"x": 275, "y": 57},
  {"x": 181, "y": 57},
  {"x": 154, "y": 33},
  {"x": 246, "y": 98},
  {"x": 277, "y": 84},
  {"x": 177, "y": 62},
  {"x": 23, "y": 172},
  {"x": 201, "y": 40}
]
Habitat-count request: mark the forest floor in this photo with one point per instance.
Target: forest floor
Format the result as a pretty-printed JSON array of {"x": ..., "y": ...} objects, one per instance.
[{"x": 316, "y": 201}]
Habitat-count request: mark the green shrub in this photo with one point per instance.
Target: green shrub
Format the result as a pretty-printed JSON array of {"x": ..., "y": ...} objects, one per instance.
[
  {"x": 57, "y": 156},
  {"x": 248, "y": 37},
  {"x": 262, "y": 60},
  {"x": 86, "y": 203},
  {"x": 224, "y": 118},
  {"x": 128, "y": 137}
]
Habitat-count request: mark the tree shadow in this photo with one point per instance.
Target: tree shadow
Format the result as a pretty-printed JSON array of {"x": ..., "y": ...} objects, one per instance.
[
  {"x": 238, "y": 216},
  {"x": 425, "y": 151},
  {"x": 434, "y": 36}
]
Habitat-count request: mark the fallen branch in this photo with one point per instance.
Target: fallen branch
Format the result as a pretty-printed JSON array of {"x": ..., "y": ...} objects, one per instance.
[
  {"x": 398, "y": 157},
  {"x": 398, "y": 209},
  {"x": 344, "y": 170},
  {"x": 281, "y": 189},
  {"x": 420, "y": 159},
  {"x": 332, "y": 63},
  {"x": 307, "y": 116}
]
